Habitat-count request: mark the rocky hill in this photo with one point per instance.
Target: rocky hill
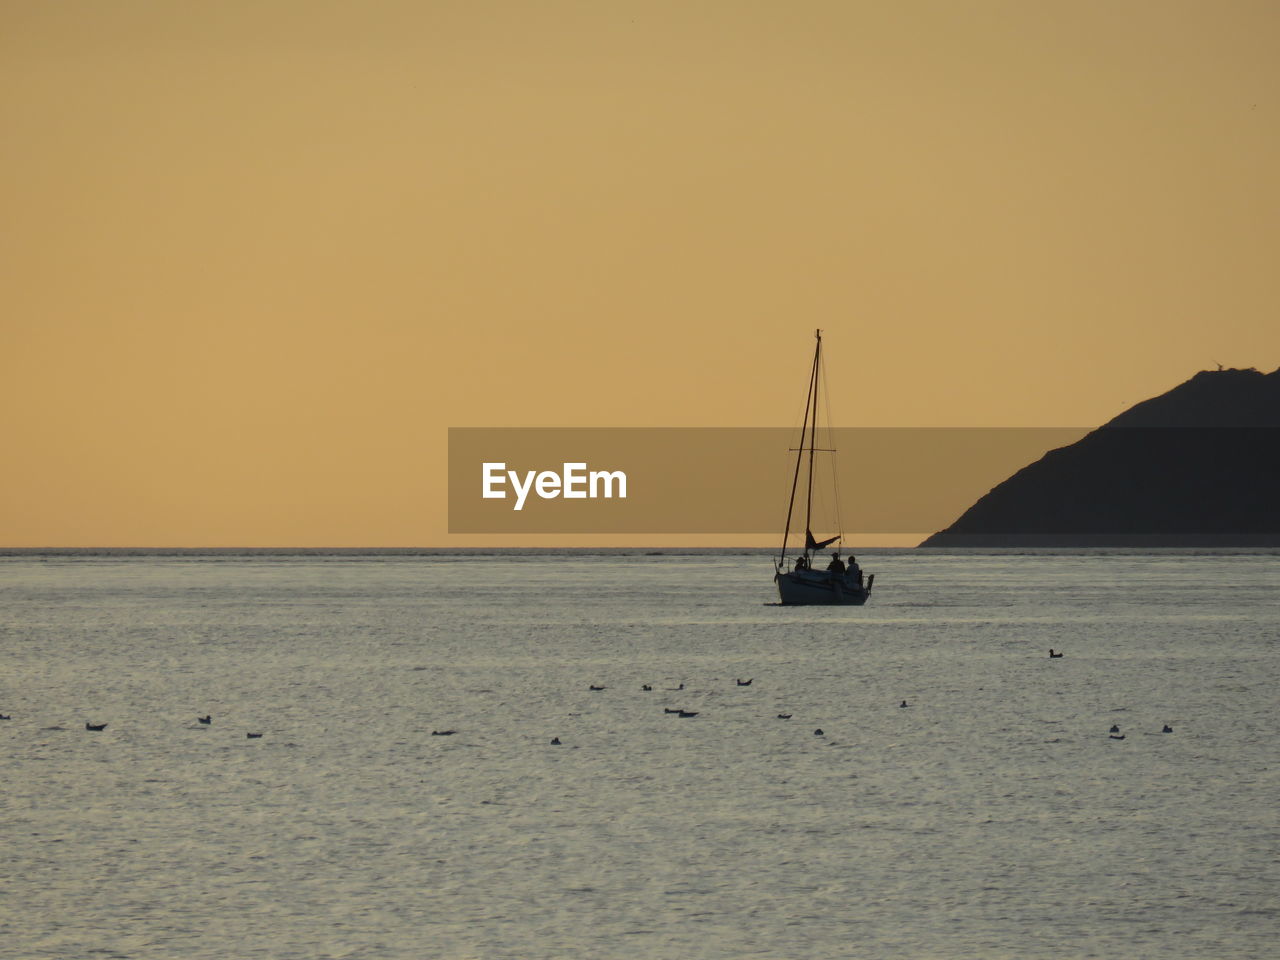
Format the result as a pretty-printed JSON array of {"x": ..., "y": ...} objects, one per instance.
[{"x": 1197, "y": 466}]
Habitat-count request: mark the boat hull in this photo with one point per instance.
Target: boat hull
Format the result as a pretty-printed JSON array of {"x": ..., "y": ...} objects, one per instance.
[{"x": 815, "y": 587}]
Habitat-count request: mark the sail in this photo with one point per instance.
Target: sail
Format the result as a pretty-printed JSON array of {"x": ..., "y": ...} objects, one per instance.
[{"x": 812, "y": 544}]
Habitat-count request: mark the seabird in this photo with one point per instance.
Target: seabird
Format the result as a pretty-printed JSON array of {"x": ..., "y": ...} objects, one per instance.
[
  {"x": 555, "y": 741},
  {"x": 439, "y": 733},
  {"x": 1167, "y": 728},
  {"x": 744, "y": 683},
  {"x": 646, "y": 687},
  {"x": 205, "y": 720},
  {"x": 784, "y": 716},
  {"x": 594, "y": 687},
  {"x": 253, "y": 736},
  {"x": 1052, "y": 655},
  {"x": 688, "y": 713},
  {"x": 903, "y": 703},
  {"x": 95, "y": 726},
  {"x": 670, "y": 709},
  {"x": 1115, "y": 728},
  {"x": 5, "y": 716},
  {"x": 818, "y": 733}
]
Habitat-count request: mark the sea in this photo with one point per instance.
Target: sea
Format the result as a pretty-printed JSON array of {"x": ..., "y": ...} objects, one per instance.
[{"x": 915, "y": 778}]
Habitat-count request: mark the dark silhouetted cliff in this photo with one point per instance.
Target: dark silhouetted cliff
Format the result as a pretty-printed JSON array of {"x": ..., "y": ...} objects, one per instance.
[{"x": 1197, "y": 466}]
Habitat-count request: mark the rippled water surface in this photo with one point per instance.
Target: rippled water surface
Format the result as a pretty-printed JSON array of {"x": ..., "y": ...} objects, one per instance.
[{"x": 994, "y": 816}]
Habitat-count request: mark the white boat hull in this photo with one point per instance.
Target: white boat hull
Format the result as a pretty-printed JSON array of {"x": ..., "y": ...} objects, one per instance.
[{"x": 809, "y": 587}]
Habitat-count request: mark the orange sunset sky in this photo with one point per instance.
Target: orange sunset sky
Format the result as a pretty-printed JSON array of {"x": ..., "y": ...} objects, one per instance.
[{"x": 257, "y": 257}]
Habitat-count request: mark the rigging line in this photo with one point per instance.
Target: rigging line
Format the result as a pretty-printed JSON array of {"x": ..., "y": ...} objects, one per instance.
[
  {"x": 835, "y": 461},
  {"x": 795, "y": 479}
]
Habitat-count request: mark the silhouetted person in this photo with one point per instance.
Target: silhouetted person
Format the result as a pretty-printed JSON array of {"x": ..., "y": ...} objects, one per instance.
[
  {"x": 802, "y": 563},
  {"x": 836, "y": 565},
  {"x": 855, "y": 571}
]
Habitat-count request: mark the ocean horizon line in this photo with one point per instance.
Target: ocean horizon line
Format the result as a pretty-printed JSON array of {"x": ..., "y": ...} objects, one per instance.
[{"x": 605, "y": 551}]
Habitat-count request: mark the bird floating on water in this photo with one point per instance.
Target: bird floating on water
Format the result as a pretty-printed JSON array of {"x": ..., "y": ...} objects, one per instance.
[
  {"x": 594, "y": 687},
  {"x": 253, "y": 736},
  {"x": 1052, "y": 655},
  {"x": 95, "y": 726},
  {"x": 206, "y": 720},
  {"x": 646, "y": 687},
  {"x": 1167, "y": 729},
  {"x": 439, "y": 733},
  {"x": 819, "y": 733},
  {"x": 1115, "y": 728},
  {"x": 784, "y": 716},
  {"x": 687, "y": 713},
  {"x": 903, "y": 703},
  {"x": 744, "y": 683},
  {"x": 555, "y": 741}
]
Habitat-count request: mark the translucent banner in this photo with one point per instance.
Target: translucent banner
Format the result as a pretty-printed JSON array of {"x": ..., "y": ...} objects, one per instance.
[{"x": 729, "y": 480}]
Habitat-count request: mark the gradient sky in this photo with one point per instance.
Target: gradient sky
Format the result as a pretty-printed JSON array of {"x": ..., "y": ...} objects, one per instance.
[{"x": 258, "y": 256}]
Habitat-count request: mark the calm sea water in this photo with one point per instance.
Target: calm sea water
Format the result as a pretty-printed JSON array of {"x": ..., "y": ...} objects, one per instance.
[{"x": 992, "y": 817}]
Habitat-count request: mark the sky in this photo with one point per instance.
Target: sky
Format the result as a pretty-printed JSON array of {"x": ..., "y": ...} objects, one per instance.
[{"x": 258, "y": 257}]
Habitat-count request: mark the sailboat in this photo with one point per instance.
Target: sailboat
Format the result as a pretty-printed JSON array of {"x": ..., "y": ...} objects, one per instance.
[{"x": 801, "y": 579}]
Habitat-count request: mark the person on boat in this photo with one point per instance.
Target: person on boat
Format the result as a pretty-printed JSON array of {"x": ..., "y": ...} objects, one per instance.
[
  {"x": 855, "y": 571},
  {"x": 802, "y": 563},
  {"x": 836, "y": 565}
]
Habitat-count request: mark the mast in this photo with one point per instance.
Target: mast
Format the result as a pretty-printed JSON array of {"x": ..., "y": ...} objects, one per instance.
[{"x": 810, "y": 403}]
